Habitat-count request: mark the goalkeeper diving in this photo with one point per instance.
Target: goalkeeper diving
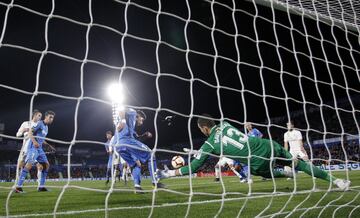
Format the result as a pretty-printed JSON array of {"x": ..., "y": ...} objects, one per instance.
[{"x": 236, "y": 145}]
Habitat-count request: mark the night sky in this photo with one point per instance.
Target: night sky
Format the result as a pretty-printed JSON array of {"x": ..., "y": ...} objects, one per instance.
[{"x": 219, "y": 85}]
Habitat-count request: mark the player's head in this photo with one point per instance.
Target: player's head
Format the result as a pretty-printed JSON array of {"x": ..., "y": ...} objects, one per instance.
[
  {"x": 36, "y": 115},
  {"x": 109, "y": 135},
  {"x": 248, "y": 126},
  {"x": 205, "y": 124},
  {"x": 290, "y": 125},
  {"x": 49, "y": 117},
  {"x": 140, "y": 117}
]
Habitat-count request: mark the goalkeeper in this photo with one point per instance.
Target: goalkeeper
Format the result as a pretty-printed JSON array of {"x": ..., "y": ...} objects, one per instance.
[{"x": 238, "y": 146}]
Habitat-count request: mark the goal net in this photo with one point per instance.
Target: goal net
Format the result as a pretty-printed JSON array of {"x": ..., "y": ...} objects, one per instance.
[{"x": 256, "y": 61}]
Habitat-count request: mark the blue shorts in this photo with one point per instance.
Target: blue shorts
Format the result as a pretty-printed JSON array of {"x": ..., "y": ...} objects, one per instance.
[
  {"x": 110, "y": 161},
  {"x": 133, "y": 150},
  {"x": 35, "y": 155}
]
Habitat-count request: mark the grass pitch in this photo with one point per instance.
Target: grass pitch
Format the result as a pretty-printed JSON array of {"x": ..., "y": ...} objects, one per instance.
[{"x": 87, "y": 199}]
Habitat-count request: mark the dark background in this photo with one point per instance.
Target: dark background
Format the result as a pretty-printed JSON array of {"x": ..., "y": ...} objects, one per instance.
[{"x": 265, "y": 71}]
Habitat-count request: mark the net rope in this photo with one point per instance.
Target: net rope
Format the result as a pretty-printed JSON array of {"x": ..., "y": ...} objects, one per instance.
[{"x": 345, "y": 11}]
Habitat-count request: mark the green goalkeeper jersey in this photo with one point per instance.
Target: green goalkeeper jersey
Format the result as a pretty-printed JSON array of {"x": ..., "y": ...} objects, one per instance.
[{"x": 236, "y": 145}]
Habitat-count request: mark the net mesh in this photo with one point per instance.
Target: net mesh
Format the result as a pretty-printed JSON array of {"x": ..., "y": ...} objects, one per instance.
[{"x": 249, "y": 62}]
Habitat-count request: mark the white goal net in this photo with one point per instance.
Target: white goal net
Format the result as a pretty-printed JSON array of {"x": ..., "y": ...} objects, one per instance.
[{"x": 257, "y": 61}]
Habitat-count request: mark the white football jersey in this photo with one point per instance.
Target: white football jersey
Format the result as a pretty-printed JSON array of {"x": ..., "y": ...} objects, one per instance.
[
  {"x": 294, "y": 139},
  {"x": 21, "y": 132}
]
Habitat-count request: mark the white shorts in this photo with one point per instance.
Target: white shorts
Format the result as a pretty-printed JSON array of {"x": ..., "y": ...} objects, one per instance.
[
  {"x": 118, "y": 159},
  {"x": 299, "y": 153},
  {"x": 23, "y": 150},
  {"x": 22, "y": 156},
  {"x": 225, "y": 160}
]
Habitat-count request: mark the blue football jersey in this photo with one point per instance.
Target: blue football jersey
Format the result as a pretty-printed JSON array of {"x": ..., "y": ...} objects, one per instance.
[
  {"x": 255, "y": 133},
  {"x": 128, "y": 131},
  {"x": 40, "y": 130}
]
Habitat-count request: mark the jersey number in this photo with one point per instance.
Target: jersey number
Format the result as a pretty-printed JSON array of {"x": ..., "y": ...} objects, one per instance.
[{"x": 228, "y": 138}]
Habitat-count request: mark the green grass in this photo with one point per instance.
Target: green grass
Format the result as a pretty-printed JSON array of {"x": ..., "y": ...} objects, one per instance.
[{"x": 169, "y": 204}]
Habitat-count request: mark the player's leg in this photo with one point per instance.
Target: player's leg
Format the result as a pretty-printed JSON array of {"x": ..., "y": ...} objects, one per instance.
[
  {"x": 230, "y": 163},
  {"x": 44, "y": 174},
  {"x": 240, "y": 174},
  {"x": 20, "y": 165},
  {"x": 29, "y": 161},
  {"x": 121, "y": 170},
  {"x": 24, "y": 172},
  {"x": 282, "y": 153},
  {"x": 127, "y": 154},
  {"x": 43, "y": 161},
  {"x": 144, "y": 155},
  {"x": 288, "y": 170},
  {"x": 152, "y": 166},
  {"x": 21, "y": 160},
  {"x": 116, "y": 171},
  {"x": 312, "y": 170},
  {"x": 221, "y": 163},
  {"x": 232, "y": 168},
  {"x": 117, "y": 166},
  {"x": 217, "y": 172},
  {"x": 39, "y": 168},
  {"x": 108, "y": 169},
  {"x": 124, "y": 174},
  {"x": 136, "y": 172},
  {"x": 303, "y": 155},
  {"x": 129, "y": 173}
]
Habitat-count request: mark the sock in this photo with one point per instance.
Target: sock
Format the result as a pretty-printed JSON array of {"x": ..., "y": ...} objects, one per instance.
[
  {"x": 107, "y": 173},
  {"x": 217, "y": 172},
  {"x": 19, "y": 173},
  {"x": 306, "y": 167},
  {"x": 124, "y": 173},
  {"x": 44, "y": 173},
  {"x": 120, "y": 167},
  {"x": 23, "y": 175},
  {"x": 244, "y": 171},
  {"x": 39, "y": 176},
  {"x": 153, "y": 178},
  {"x": 137, "y": 175}
]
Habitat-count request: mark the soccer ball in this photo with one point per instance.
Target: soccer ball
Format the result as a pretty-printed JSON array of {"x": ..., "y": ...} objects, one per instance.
[{"x": 177, "y": 162}]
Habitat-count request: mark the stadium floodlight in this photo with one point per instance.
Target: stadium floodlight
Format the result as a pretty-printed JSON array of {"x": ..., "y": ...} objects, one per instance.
[{"x": 115, "y": 91}]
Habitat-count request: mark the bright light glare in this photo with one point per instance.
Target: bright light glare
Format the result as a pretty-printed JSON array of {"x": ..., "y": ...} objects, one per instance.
[{"x": 115, "y": 91}]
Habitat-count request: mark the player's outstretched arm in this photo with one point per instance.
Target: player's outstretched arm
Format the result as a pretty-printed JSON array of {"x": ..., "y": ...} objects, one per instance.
[
  {"x": 200, "y": 158},
  {"x": 52, "y": 148},
  {"x": 143, "y": 136}
]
